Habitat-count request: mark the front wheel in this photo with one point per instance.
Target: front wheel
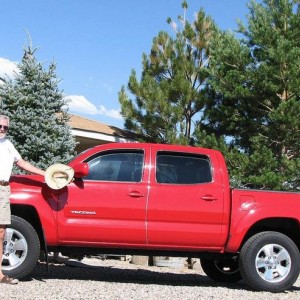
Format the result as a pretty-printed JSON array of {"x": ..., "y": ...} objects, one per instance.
[
  {"x": 269, "y": 261},
  {"x": 226, "y": 270},
  {"x": 21, "y": 248}
]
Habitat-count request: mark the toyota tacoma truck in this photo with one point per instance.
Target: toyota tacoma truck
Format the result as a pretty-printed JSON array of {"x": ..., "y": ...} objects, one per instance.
[{"x": 157, "y": 199}]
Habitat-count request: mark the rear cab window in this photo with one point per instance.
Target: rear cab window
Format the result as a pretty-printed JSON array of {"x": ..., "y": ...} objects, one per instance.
[{"x": 182, "y": 168}]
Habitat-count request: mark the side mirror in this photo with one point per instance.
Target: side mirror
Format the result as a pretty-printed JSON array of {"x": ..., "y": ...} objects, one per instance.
[{"x": 81, "y": 170}]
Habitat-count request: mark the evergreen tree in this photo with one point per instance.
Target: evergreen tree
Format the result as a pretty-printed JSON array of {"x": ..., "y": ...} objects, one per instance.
[
  {"x": 256, "y": 85},
  {"x": 241, "y": 95},
  {"x": 39, "y": 120},
  {"x": 171, "y": 94}
]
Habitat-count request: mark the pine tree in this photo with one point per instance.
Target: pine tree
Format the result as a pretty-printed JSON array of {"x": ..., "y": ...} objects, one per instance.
[
  {"x": 257, "y": 86},
  {"x": 39, "y": 120},
  {"x": 171, "y": 94}
]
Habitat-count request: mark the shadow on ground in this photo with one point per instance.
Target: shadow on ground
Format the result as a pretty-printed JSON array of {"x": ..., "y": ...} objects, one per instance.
[{"x": 114, "y": 273}]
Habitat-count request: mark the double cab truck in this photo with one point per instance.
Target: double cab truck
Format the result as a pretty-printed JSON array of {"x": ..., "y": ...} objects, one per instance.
[{"x": 154, "y": 199}]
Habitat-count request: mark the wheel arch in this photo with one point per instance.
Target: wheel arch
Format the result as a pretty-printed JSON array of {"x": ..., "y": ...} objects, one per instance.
[
  {"x": 287, "y": 226},
  {"x": 29, "y": 214}
]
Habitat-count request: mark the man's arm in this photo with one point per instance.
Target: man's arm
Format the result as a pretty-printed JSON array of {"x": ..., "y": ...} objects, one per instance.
[{"x": 25, "y": 165}]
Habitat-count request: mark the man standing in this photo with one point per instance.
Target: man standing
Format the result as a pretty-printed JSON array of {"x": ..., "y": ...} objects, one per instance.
[{"x": 8, "y": 156}]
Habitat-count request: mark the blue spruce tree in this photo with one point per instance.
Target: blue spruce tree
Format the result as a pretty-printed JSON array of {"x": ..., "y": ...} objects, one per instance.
[{"x": 39, "y": 118}]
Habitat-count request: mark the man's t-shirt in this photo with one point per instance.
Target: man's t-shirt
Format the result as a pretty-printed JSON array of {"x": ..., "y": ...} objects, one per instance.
[{"x": 8, "y": 156}]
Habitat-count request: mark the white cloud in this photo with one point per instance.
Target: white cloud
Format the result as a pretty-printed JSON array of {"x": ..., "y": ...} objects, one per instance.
[
  {"x": 113, "y": 113},
  {"x": 8, "y": 68},
  {"x": 79, "y": 104}
]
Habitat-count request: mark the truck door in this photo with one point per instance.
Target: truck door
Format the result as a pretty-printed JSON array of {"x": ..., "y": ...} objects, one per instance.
[
  {"x": 185, "y": 203},
  {"x": 109, "y": 205}
]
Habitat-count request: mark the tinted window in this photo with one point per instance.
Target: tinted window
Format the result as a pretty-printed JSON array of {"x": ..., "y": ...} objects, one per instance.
[
  {"x": 116, "y": 166},
  {"x": 182, "y": 169}
]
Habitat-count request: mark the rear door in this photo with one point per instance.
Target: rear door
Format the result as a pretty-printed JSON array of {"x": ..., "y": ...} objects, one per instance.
[{"x": 185, "y": 203}]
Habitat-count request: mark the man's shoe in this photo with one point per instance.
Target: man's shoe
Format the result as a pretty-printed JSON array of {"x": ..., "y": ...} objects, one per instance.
[{"x": 8, "y": 280}]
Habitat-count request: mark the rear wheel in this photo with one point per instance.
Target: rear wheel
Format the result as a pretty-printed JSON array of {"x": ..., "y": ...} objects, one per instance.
[
  {"x": 21, "y": 248},
  {"x": 222, "y": 271},
  {"x": 269, "y": 261}
]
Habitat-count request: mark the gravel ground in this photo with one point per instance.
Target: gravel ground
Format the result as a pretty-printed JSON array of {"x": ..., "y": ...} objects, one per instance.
[{"x": 114, "y": 279}]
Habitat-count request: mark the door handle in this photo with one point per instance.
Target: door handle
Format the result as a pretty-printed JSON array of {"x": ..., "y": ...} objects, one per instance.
[
  {"x": 136, "y": 195},
  {"x": 209, "y": 198}
]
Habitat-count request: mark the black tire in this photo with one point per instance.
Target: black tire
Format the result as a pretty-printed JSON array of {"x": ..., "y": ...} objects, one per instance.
[
  {"x": 21, "y": 249},
  {"x": 270, "y": 261},
  {"x": 226, "y": 271}
]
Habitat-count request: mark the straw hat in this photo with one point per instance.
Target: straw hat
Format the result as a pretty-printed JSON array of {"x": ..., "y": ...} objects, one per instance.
[{"x": 58, "y": 176}]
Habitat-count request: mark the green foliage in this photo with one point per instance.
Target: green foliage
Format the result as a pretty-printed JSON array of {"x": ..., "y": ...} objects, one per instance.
[
  {"x": 256, "y": 83},
  {"x": 241, "y": 96},
  {"x": 38, "y": 127},
  {"x": 171, "y": 93}
]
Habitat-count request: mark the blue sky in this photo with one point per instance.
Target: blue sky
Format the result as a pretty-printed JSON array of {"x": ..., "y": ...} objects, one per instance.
[{"x": 96, "y": 43}]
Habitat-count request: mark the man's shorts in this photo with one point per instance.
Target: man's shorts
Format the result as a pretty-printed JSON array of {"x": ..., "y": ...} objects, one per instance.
[{"x": 5, "y": 214}]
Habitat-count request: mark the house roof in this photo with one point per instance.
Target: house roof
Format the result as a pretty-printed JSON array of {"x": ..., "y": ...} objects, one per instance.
[{"x": 91, "y": 126}]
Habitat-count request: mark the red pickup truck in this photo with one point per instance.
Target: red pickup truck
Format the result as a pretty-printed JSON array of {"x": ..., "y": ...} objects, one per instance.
[{"x": 153, "y": 199}]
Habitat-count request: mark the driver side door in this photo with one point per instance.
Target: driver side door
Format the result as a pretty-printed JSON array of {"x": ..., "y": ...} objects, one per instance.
[{"x": 109, "y": 205}]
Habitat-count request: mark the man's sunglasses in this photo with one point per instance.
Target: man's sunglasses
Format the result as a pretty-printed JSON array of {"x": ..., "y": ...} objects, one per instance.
[{"x": 5, "y": 128}]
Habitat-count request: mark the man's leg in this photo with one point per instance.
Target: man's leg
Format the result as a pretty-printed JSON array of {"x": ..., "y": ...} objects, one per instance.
[
  {"x": 2, "y": 233},
  {"x": 4, "y": 278},
  {"x": 5, "y": 219}
]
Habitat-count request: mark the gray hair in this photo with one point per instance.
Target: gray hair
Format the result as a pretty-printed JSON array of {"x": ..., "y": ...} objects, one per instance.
[{"x": 4, "y": 117}]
